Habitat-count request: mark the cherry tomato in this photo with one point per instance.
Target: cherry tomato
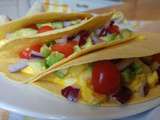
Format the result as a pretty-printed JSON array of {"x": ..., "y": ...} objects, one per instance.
[
  {"x": 25, "y": 54},
  {"x": 44, "y": 29},
  {"x": 105, "y": 77},
  {"x": 156, "y": 58},
  {"x": 32, "y": 26},
  {"x": 66, "y": 49},
  {"x": 113, "y": 29},
  {"x": 36, "y": 47}
]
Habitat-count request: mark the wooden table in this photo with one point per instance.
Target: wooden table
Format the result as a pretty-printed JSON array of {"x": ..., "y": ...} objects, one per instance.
[{"x": 137, "y": 9}]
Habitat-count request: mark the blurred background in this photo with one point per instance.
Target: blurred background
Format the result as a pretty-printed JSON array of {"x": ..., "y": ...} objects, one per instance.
[{"x": 17, "y": 8}]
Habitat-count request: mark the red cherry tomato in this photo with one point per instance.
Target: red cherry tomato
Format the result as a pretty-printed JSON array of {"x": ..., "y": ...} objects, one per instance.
[
  {"x": 105, "y": 78},
  {"x": 36, "y": 47},
  {"x": 32, "y": 26},
  {"x": 25, "y": 54},
  {"x": 156, "y": 58},
  {"x": 66, "y": 49},
  {"x": 113, "y": 29},
  {"x": 44, "y": 29}
]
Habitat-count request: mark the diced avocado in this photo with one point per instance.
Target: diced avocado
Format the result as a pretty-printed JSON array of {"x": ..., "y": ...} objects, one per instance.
[
  {"x": 45, "y": 51},
  {"x": 77, "y": 48},
  {"x": 54, "y": 58},
  {"x": 109, "y": 38},
  {"x": 125, "y": 33},
  {"x": 61, "y": 73},
  {"x": 127, "y": 75},
  {"x": 37, "y": 66},
  {"x": 22, "y": 33},
  {"x": 57, "y": 25},
  {"x": 88, "y": 43},
  {"x": 39, "y": 25},
  {"x": 119, "y": 37},
  {"x": 136, "y": 68}
]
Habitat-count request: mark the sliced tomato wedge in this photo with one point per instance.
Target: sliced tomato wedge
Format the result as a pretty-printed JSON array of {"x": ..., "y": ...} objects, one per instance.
[
  {"x": 25, "y": 54},
  {"x": 32, "y": 26},
  {"x": 66, "y": 49},
  {"x": 36, "y": 47},
  {"x": 45, "y": 29}
]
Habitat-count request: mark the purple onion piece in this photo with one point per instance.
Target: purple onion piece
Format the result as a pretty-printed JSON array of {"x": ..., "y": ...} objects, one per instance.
[
  {"x": 95, "y": 39},
  {"x": 18, "y": 66},
  {"x": 144, "y": 89},
  {"x": 123, "y": 95},
  {"x": 70, "y": 38},
  {"x": 36, "y": 54},
  {"x": 102, "y": 32},
  {"x": 67, "y": 23},
  {"x": 62, "y": 41},
  {"x": 83, "y": 37},
  {"x": 71, "y": 93}
]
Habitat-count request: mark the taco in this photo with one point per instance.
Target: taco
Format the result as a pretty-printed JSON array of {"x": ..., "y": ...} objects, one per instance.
[
  {"x": 50, "y": 52},
  {"x": 41, "y": 24},
  {"x": 128, "y": 73}
]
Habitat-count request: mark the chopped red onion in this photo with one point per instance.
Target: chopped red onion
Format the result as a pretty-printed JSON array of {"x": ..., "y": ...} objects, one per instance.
[
  {"x": 71, "y": 93},
  {"x": 36, "y": 54},
  {"x": 144, "y": 89},
  {"x": 83, "y": 37},
  {"x": 97, "y": 32},
  {"x": 123, "y": 95},
  {"x": 18, "y": 66},
  {"x": 61, "y": 41},
  {"x": 95, "y": 39},
  {"x": 67, "y": 23}
]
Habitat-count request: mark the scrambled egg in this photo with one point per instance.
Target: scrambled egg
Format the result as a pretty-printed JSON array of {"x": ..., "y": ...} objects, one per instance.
[{"x": 78, "y": 76}]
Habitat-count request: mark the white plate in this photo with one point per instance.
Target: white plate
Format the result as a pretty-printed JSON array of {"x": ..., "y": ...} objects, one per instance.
[
  {"x": 27, "y": 100},
  {"x": 154, "y": 115}
]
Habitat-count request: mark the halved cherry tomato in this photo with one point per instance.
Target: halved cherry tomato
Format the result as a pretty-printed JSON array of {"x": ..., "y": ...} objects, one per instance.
[
  {"x": 44, "y": 29},
  {"x": 105, "y": 78},
  {"x": 36, "y": 47},
  {"x": 156, "y": 58},
  {"x": 32, "y": 26},
  {"x": 25, "y": 54},
  {"x": 67, "y": 49}
]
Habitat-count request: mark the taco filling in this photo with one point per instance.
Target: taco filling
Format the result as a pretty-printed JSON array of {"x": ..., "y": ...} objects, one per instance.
[
  {"x": 34, "y": 29},
  {"x": 50, "y": 53},
  {"x": 105, "y": 81}
]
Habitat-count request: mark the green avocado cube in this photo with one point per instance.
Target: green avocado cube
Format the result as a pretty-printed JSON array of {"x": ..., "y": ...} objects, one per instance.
[
  {"x": 126, "y": 33},
  {"x": 88, "y": 43},
  {"x": 57, "y": 25},
  {"x": 37, "y": 66},
  {"x": 61, "y": 73},
  {"x": 54, "y": 58},
  {"x": 45, "y": 51},
  {"x": 127, "y": 75},
  {"x": 109, "y": 38},
  {"x": 77, "y": 48}
]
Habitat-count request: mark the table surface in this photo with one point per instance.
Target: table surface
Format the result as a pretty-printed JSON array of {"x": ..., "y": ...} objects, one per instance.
[{"x": 133, "y": 10}]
